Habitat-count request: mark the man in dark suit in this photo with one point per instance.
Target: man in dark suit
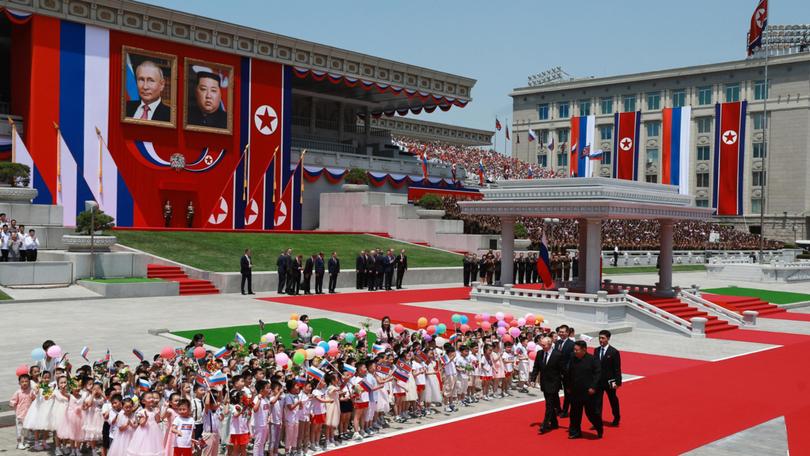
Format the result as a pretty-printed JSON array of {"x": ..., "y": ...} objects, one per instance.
[
  {"x": 150, "y": 82},
  {"x": 548, "y": 364},
  {"x": 611, "y": 378},
  {"x": 514, "y": 268},
  {"x": 360, "y": 270},
  {"x": 466, "y": 268},
  {"x": 582, "y": 385},
  {"x": 379, "y": 270},
  {"x": 293, "y": 275},
  {"x": 334, "y": 270},
  {"x": 497, "y": 267},
  {"x": 246, "y": 268},
  {"x": 389, "y": 269},
  {"x": 371, "y": 270},
  {"x": 521, "y": 268},
  {"x": 320, "y": 267},
  {"x": 305, "y": 284},
  {"x": 207, "y": 111},
  {"x": 281, "y": 270},
  {"x": 401, "y": 263},
  {"x": 566, "y": 347}
]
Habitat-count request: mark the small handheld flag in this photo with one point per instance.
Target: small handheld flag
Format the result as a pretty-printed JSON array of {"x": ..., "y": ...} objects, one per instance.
[
  {"x": 384, "y": 368},
  {"x": 400, "y": 375},
  {"x": 453, "y": 338},
  {"x": 300, "y": 381},
  {"x": 445, "y": 359},
  {"x": 422, "y": 356},
  {"x": 85, "y": 351},
  {"x": 365, "y": 386},
  {"x": 376, "y": 349},
  {"x": 314, "y": 372},
  {"x": 349, "y": 368},
  {"x": 138, "y": 354},
  {"x": 222, "y": 352},
  {"x": 404, "y": 367},
  {"x": 218, "y": 378},
  {"x": 240, "y": 339},
  {"x": 144, "y": 385}
]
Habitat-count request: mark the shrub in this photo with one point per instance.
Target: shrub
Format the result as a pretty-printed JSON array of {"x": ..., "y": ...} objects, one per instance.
[
  {"x": 430, "y": 201},
  {"x": 103, "y": 222},
  {"x": 520, "y": 231},
  {"x": 15, "y": 174},
  {"x": 356, "y": 176}
]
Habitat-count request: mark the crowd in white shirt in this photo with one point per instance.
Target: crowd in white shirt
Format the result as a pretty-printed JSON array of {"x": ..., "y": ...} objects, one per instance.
[{"x": 15, "y": 243}]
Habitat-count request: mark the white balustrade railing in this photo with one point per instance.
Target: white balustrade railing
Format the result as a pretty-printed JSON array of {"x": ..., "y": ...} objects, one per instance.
[
  {"x": 691, "y": 297},
  {"x": 661, "y": 315}
]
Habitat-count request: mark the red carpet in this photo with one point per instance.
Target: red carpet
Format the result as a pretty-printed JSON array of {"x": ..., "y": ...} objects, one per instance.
[
  {"x": 795, "y": 316},
  {"x": 797, "y": 424},
  {"x": 665, "y": 414},
  {"x": 761, "y": 337}
]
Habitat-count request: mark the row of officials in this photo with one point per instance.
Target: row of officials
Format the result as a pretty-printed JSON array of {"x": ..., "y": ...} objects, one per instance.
[{"x": 487, "y": 268}]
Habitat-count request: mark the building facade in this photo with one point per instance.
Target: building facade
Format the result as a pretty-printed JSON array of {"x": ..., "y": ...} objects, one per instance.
[{"x": 779, "y": 162}]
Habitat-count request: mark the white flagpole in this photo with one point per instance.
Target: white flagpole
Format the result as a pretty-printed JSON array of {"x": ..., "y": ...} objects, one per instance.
[{"x": 766, "y": 159}]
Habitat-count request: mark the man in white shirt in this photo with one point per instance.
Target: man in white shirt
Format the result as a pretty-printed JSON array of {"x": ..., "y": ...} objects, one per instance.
[
  {"x": 30, "y": 245},
  {"x": 5, "y": 237},
  {"x": 150, "y": 81}
]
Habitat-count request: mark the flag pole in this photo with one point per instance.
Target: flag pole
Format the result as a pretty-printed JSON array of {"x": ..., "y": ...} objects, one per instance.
[
  {"x": 13, "y": 140},
  {"x": 765, "y": 150},
  {"x": 58, "y": 162}
]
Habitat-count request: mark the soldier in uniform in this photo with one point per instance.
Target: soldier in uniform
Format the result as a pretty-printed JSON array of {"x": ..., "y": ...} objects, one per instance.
[
  {"x": 190, "y": 214},
  {"x": 167, "y": 214}
]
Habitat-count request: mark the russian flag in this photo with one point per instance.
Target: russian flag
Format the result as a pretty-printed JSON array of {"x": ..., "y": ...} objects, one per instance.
[
  {"x": 138, "y": 354},
  {"x": 85, "y": 351},
  {"x": 582, "y": 136},
  {"x": 218, "y": 378},
  {"x": 222, "y": 352},
  {"x": 377, "y": 348},
  {"x": 240, "y": 339},
  {"x": 445, "y": 359},
  {"x": 315, "y": 372},
  {"x": 300, "y": 381},
  {"x": 531, "y": 172},
  {"x": 675, "y": 147},
  {"x": 365, "y": 386},
  {"x": 544, "y": 264},
  {"x": 349, "y": 368},
  {"x": 424, "y": 160},
  {"x": 481, "y": 172},
  {"x": 400, "y": 375},
  {"x": 143, "y": 384},
  {"x": 532, "y": 135}
]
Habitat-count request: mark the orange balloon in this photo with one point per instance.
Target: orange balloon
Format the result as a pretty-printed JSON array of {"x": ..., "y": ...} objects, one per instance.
[
  {"x": 422, "y": 322},
  {"x": 294, "y": 317}
]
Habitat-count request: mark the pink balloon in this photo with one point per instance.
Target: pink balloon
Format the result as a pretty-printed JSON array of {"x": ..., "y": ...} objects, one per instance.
[
  {"x": 499, "y": 316},
  {"x": 508, "y": 317},
  {"x": 282, "y": 359},
  {"x": 502, "y": 324},
  {"x": 501, "y": 330},
  {"x": 199, "y": 353},
  {"x": 532, "y": 355},
  {"x": 23, "y": 369},
  {"x": 486, "y": 326},
  {"x": 333, "y": 344},
  {"x": 55, "y": 351},
  {"x": 530, "y": 320},
  {"x": 302, "y": 328},
  {"x": 465, "y": 328},
  {"x": 521, "y": 321},
  {"x": 399, "y": 328},
  {"x": 506, "y": 338},
  {"x": 319, "y": 352},
  {"x": 485, "y": 316},
  {"x": 434, "y": 321},
  {"x": 333, "y": 351},
  {"x": 167, "y": 353},
  {"x": 361, "y": 333},
  {"x": 531, "y": 346},
  {"x": 431, "y": 330},
  {"x": 478, "y": 317},
  {"x": 514, "y": 332}
]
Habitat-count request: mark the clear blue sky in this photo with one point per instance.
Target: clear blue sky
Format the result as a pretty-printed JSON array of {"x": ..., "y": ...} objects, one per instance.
[{"x": 501, "y": 43}]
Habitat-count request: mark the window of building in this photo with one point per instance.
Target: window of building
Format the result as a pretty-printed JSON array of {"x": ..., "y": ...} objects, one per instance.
[
  {"x": 757, "y": 120},
  {"x": 760, "y": 90},
  {"x": 562, "y": 159},
  {"x": 562, "y": 135},
  {"x": 563, "y": 110},
  {"x": 544, "y": 136},
  {"x": 704, "y": 124},
  {"x": 732, "y": 92},
  {"x": 605, "y": 132},
  {"x": 653, "y": 128},
  {"x": 756, "y": 205},
  {"x": 702, "y": 202},
  {"x": 607, "y": 157},
  {"x": 652, "y": 178},
  {"x": 705, "y": 95},
  {"x": 703, "y": 153},
  {"x": 542, "y": 160},
  {"x": 542, "y": 111},
  {"x": 759, "y": 150},
  {"x": 702, "y": 180},
  {"x": 652, "y": 155},
  {"x": 758, "y": 178},
  {"x": 653, "y": 101},
  {"x": 629, "y": 102},
  {"x": 678, "y": 98},
  {"x": 606, "y": 105},
  {"x": 584, "y": 107}
]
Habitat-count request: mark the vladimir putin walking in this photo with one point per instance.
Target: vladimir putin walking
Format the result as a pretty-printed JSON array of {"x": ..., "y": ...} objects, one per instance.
[
  {"x": 246, "y": 268},
  {"x": 548, "y": 365}
]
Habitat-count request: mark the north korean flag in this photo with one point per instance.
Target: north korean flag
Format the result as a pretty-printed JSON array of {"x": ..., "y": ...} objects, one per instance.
[
  {"x": 759, "y": 20},
  {"x": 729, "y": 154},
  {"x": 625, "y": 144}
]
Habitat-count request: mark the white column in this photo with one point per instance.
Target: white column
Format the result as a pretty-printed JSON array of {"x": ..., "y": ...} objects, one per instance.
[
  {"x": 593, "y": 245},
  {"x": 665, "y": 256},
  {"x": 583, "y": 252},
  {"x": 507, "y": 249}
]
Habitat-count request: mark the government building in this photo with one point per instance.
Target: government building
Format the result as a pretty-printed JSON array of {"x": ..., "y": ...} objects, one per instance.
[{"x": 784, "y": 167}]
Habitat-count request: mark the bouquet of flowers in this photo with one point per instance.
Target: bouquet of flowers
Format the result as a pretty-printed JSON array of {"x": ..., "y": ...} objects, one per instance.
[
  {"x": 46, "y": 390},
  {"x": 123, "y": 374}
]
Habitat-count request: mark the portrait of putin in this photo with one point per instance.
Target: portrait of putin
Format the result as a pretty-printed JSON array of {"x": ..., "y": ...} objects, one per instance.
[{"x": 150, "y": 81}]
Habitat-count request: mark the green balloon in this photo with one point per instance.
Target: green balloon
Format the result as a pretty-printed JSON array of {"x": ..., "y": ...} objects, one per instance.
[{"x": 298, "y": 358}]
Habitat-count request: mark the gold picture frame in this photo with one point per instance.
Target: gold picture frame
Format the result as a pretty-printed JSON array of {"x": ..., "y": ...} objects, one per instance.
[
  {"x": 208, "y": 96},
  {"x": 166, "y": 110}
]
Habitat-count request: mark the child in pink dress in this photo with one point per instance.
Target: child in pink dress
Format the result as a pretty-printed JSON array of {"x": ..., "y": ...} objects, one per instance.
[
  {"x": 93, "y": 422},
  {"x": 72, "y": 427},
  {"x": 126, "y": 423},
  {"x": 61, "y": 399},
  {"x": 168, "y": 416},
  {"x": 147, "y": 439}
]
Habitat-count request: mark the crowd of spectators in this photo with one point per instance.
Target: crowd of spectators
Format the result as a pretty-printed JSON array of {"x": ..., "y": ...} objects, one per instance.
[
  {"x": 626, "y": 234},
  {"x": 496, "y": 165}
]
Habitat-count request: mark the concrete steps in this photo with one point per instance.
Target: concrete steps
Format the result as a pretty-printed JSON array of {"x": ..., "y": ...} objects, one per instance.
[
  {"x": 188, "y": 286},
  {"x": 740, "y": 304},
  {"x": 685, "y": 311}
]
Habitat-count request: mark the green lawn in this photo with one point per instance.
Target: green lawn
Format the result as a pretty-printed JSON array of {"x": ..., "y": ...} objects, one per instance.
[
  {"x": 124, "y": 280},
  {"x": 4, "y": 296},
  {"x": 219, "y": 337},
  {"x": 773, "y": 297},
  {"x": 221, "y": 251},
  {"x": 644, "y": 269}
]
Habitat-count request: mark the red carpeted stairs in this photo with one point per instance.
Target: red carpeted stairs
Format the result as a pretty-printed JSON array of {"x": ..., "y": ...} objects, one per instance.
[
  {"x": 188, "y": 286},
  {"x": 677, "y": 308},
  {"x": 740, "y": 304}
]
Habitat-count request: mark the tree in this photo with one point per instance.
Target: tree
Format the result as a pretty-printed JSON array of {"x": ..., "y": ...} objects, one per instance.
[{"x": 102, "y": 221}]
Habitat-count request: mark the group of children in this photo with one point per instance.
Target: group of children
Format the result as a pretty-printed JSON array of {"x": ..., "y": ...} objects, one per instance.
[{"x": 195, "y": 401}]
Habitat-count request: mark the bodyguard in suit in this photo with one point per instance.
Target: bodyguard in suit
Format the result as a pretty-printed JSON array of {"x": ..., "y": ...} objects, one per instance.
[
  {"x": 389, "y": 269},
  {"x": 320, "y": 267},
  {"x": 514, "y": 268},
  {"x": 334, "y": 270},
  {"x": 548, "y": 365},
  {"x": 305, "y": 284},
  {"x": 281, "y": 269},
  {"x": 474, "y": 268},
  {"x": 246, "y": 268},
  {"x": 294, "y": 275},
  {"x": 521, "y": 269},
  {"x": 582, "y": 386},
  {"x": 371, "y": 270},
  {"x": 379, "y": 270},
  {"x": 360, "y": 268},
  {"x": 610, "y": 363},
  {"x": 401, "y": 263},
  {"x": 466, "y": 266},
  {"x": 497, "y": 267},
  {"x": 566, "y": 347}
]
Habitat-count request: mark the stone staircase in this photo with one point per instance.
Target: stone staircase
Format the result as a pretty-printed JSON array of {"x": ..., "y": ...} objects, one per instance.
[
  {"x": 740, "y": 304},
  {"x": 686, "y": 312},
  {"x": 188, "y": 286}
]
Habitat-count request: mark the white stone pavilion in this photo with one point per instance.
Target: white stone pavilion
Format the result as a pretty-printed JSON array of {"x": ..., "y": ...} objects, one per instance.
[{"x": 589, "y": 200}]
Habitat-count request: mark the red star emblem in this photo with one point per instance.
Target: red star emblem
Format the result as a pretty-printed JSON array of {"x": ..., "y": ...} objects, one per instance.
[
  {"x": 730, "y": 137},
  {"x": 626, "y": 143},
  {"x": 266, "y": 119},
  {"x": 218, "y": 211}
]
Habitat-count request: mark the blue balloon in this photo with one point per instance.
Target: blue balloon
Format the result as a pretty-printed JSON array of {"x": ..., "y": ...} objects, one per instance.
[
  {"x": 325, "y": 345},
  {"x": 463, "y": 319},
  {"x": 441, "y": 328},
  {"x": 38, "y": 354}
]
